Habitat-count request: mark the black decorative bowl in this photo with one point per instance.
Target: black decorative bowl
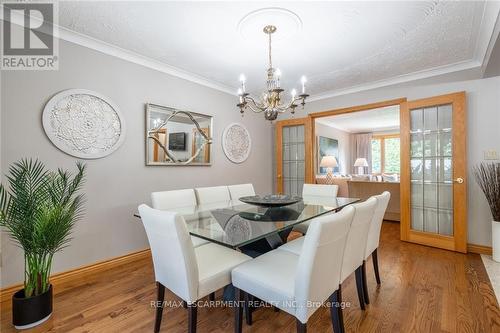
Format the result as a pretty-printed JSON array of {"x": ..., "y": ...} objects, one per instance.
[{"x": 271, "y": 200}]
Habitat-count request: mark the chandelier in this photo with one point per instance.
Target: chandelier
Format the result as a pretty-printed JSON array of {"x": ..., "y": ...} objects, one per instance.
[{"x": 270, "y": 102}]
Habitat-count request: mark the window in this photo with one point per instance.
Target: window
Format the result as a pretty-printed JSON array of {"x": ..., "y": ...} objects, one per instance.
[
  {"x": 385, "y": 154},
  {"x": 376, "y": 156},
  {"x": 391, "y": 155}
]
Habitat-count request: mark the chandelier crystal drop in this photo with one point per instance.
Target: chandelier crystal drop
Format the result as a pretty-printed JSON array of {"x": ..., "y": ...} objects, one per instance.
[{"x": 270, "y": 102}]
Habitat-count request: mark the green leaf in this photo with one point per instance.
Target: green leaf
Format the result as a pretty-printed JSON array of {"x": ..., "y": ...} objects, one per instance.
[{"x": 38, "y": 210}]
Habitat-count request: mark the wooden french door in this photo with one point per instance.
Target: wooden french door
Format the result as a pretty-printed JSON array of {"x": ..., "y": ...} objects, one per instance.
[
  {"x": 434, "y": 172},
  {"x": 293, "y": 155}
]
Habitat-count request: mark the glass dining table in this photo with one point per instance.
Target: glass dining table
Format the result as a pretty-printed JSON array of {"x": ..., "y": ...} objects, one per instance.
[{"x": 253, "y": 229}]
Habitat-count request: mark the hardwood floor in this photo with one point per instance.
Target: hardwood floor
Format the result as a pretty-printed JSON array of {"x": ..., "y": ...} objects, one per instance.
[{"x": 423, "y": 290}]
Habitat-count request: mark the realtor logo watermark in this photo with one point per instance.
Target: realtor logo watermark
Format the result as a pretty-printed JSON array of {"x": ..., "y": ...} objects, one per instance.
[{"x": 28, "y": 41}]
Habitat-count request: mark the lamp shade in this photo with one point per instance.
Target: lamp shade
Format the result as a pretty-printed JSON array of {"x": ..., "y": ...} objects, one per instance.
[
  {"x": 328, "y": 162},
  {"x": 361, "y": 162}
]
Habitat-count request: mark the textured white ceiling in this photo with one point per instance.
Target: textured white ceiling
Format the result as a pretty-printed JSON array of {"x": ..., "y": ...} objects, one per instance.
[
  {"x": 374, "y": 120},
  {"x": 340, "y": 45}
]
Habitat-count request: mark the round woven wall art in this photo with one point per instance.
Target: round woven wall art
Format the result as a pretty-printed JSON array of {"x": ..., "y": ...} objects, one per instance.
[
  {"x": 236, "y": 142},
  {"x": 83, "y": 123}
]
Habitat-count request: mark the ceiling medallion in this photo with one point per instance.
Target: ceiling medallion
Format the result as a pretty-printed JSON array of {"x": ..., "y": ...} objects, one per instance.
[
  {"x": 270, "y": 102},
  {"x": 289, "y": 24}
]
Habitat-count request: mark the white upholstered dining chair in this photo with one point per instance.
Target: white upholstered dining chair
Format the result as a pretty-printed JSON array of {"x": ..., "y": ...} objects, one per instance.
[
  {"x": 240, "y": 190},
  {"x": 175, "y": 200},
  {"x": 355, "y": 245},
  {"x": 214, "y": 194},
  {"x": 373, "y": 239},
  {"x": 320, "y": 190},
  {"x": 312, "y": 192},
  {"x": 190, "y": 273},
  {"x": 299, "y": 284}
]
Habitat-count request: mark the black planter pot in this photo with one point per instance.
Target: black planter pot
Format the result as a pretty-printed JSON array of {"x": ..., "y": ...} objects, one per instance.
[{"x": 32, "y": 311}]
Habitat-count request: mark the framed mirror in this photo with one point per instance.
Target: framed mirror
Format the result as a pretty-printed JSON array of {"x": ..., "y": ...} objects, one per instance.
[{"x": 177, "y": 137}]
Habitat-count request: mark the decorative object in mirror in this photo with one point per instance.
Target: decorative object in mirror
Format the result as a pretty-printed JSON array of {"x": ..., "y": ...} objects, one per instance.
[
  {"x": 327, "y": 147},
  {"x": 83, "y": 123},
  {"x": 236, "y": 142},
  {"x": 177, "y": 137},
  {"x": 328, "y": 162}
]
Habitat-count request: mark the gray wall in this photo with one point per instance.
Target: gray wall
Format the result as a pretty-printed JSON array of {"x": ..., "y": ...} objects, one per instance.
[
  {"x": 483, "y": 131},
  {"x": 118, "y": 183}
]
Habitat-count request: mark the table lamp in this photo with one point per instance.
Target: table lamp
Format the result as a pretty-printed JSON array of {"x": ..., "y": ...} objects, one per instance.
[
  {"x": 361, "y": 163},
  {"x": 328, "y": 162}
]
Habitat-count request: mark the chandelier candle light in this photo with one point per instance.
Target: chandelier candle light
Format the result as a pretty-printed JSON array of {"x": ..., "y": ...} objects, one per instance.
[{"x": 271, "y": 103}]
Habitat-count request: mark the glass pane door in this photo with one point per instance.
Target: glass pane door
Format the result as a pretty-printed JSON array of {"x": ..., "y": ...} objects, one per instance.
[
  {"x": 293, "y": 157},
  {"x": 431, "y": 156},
  {"x": 434, "y": 172}
]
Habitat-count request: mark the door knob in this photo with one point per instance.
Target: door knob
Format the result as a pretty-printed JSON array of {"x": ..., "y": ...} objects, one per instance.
[{"x": 459, "y": 180}]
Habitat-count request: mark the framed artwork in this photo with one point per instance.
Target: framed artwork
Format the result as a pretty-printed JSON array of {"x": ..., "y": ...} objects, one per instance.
[
  {"x": 177, "y": 137},
  {"x": 327, "y": 147}
]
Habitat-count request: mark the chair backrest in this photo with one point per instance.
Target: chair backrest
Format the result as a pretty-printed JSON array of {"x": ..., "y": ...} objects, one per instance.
[
  {"x": 174, "y": 259},
  {"x": 376, "y": 224},
  {"x": 356, "y": 238},
  {"x": 241, "y": 190},
  {"x": 207, "y": 195},
  {"x": 320, "y": 261},
  {"x": 320, "y": 190},
  {"x": 173, "y": 199}
]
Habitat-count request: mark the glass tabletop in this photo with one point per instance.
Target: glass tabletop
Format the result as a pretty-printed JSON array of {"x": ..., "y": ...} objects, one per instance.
[{"x": 235, "y": 224}]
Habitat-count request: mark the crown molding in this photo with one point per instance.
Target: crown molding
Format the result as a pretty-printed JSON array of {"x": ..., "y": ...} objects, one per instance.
[
  {"x": 486, "y": 43},
  {"x": 325, "y": 122},
  {"x": 118, "y": 52},
  {"x": 424, "y": 74},
  {"x": 488, "y": 33}
]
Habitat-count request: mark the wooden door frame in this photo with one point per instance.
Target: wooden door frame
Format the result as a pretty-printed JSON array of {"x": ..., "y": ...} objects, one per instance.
[
  {"x": 459, "y": 240},
  {"x": 308, "y": 157},
  {"x": 458, "y": 243},
  {"x": 357, "y": 108}
]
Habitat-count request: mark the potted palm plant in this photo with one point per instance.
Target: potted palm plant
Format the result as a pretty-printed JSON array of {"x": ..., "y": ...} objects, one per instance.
[
  {"x": 38, "y": 209},
  {"x": 488, "y": 177}
]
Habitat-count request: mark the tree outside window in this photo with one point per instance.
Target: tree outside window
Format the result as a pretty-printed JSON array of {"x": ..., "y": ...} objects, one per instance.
[
  {"x": 386, "y": 154},
  {"x": 376, "y": 156},
  {"x": 392, "y": 155}
]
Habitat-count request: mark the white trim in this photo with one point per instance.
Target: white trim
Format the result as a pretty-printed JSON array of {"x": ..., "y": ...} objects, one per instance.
[
  {"x": 427, "y": 73},
  {"x": 324, "y": 122},
  {"x": 488, "y": 32},
  {"x": 487, "y": 42},
  {"x": 112, "y": 50},
  {"x": 118, "y": 52}
]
